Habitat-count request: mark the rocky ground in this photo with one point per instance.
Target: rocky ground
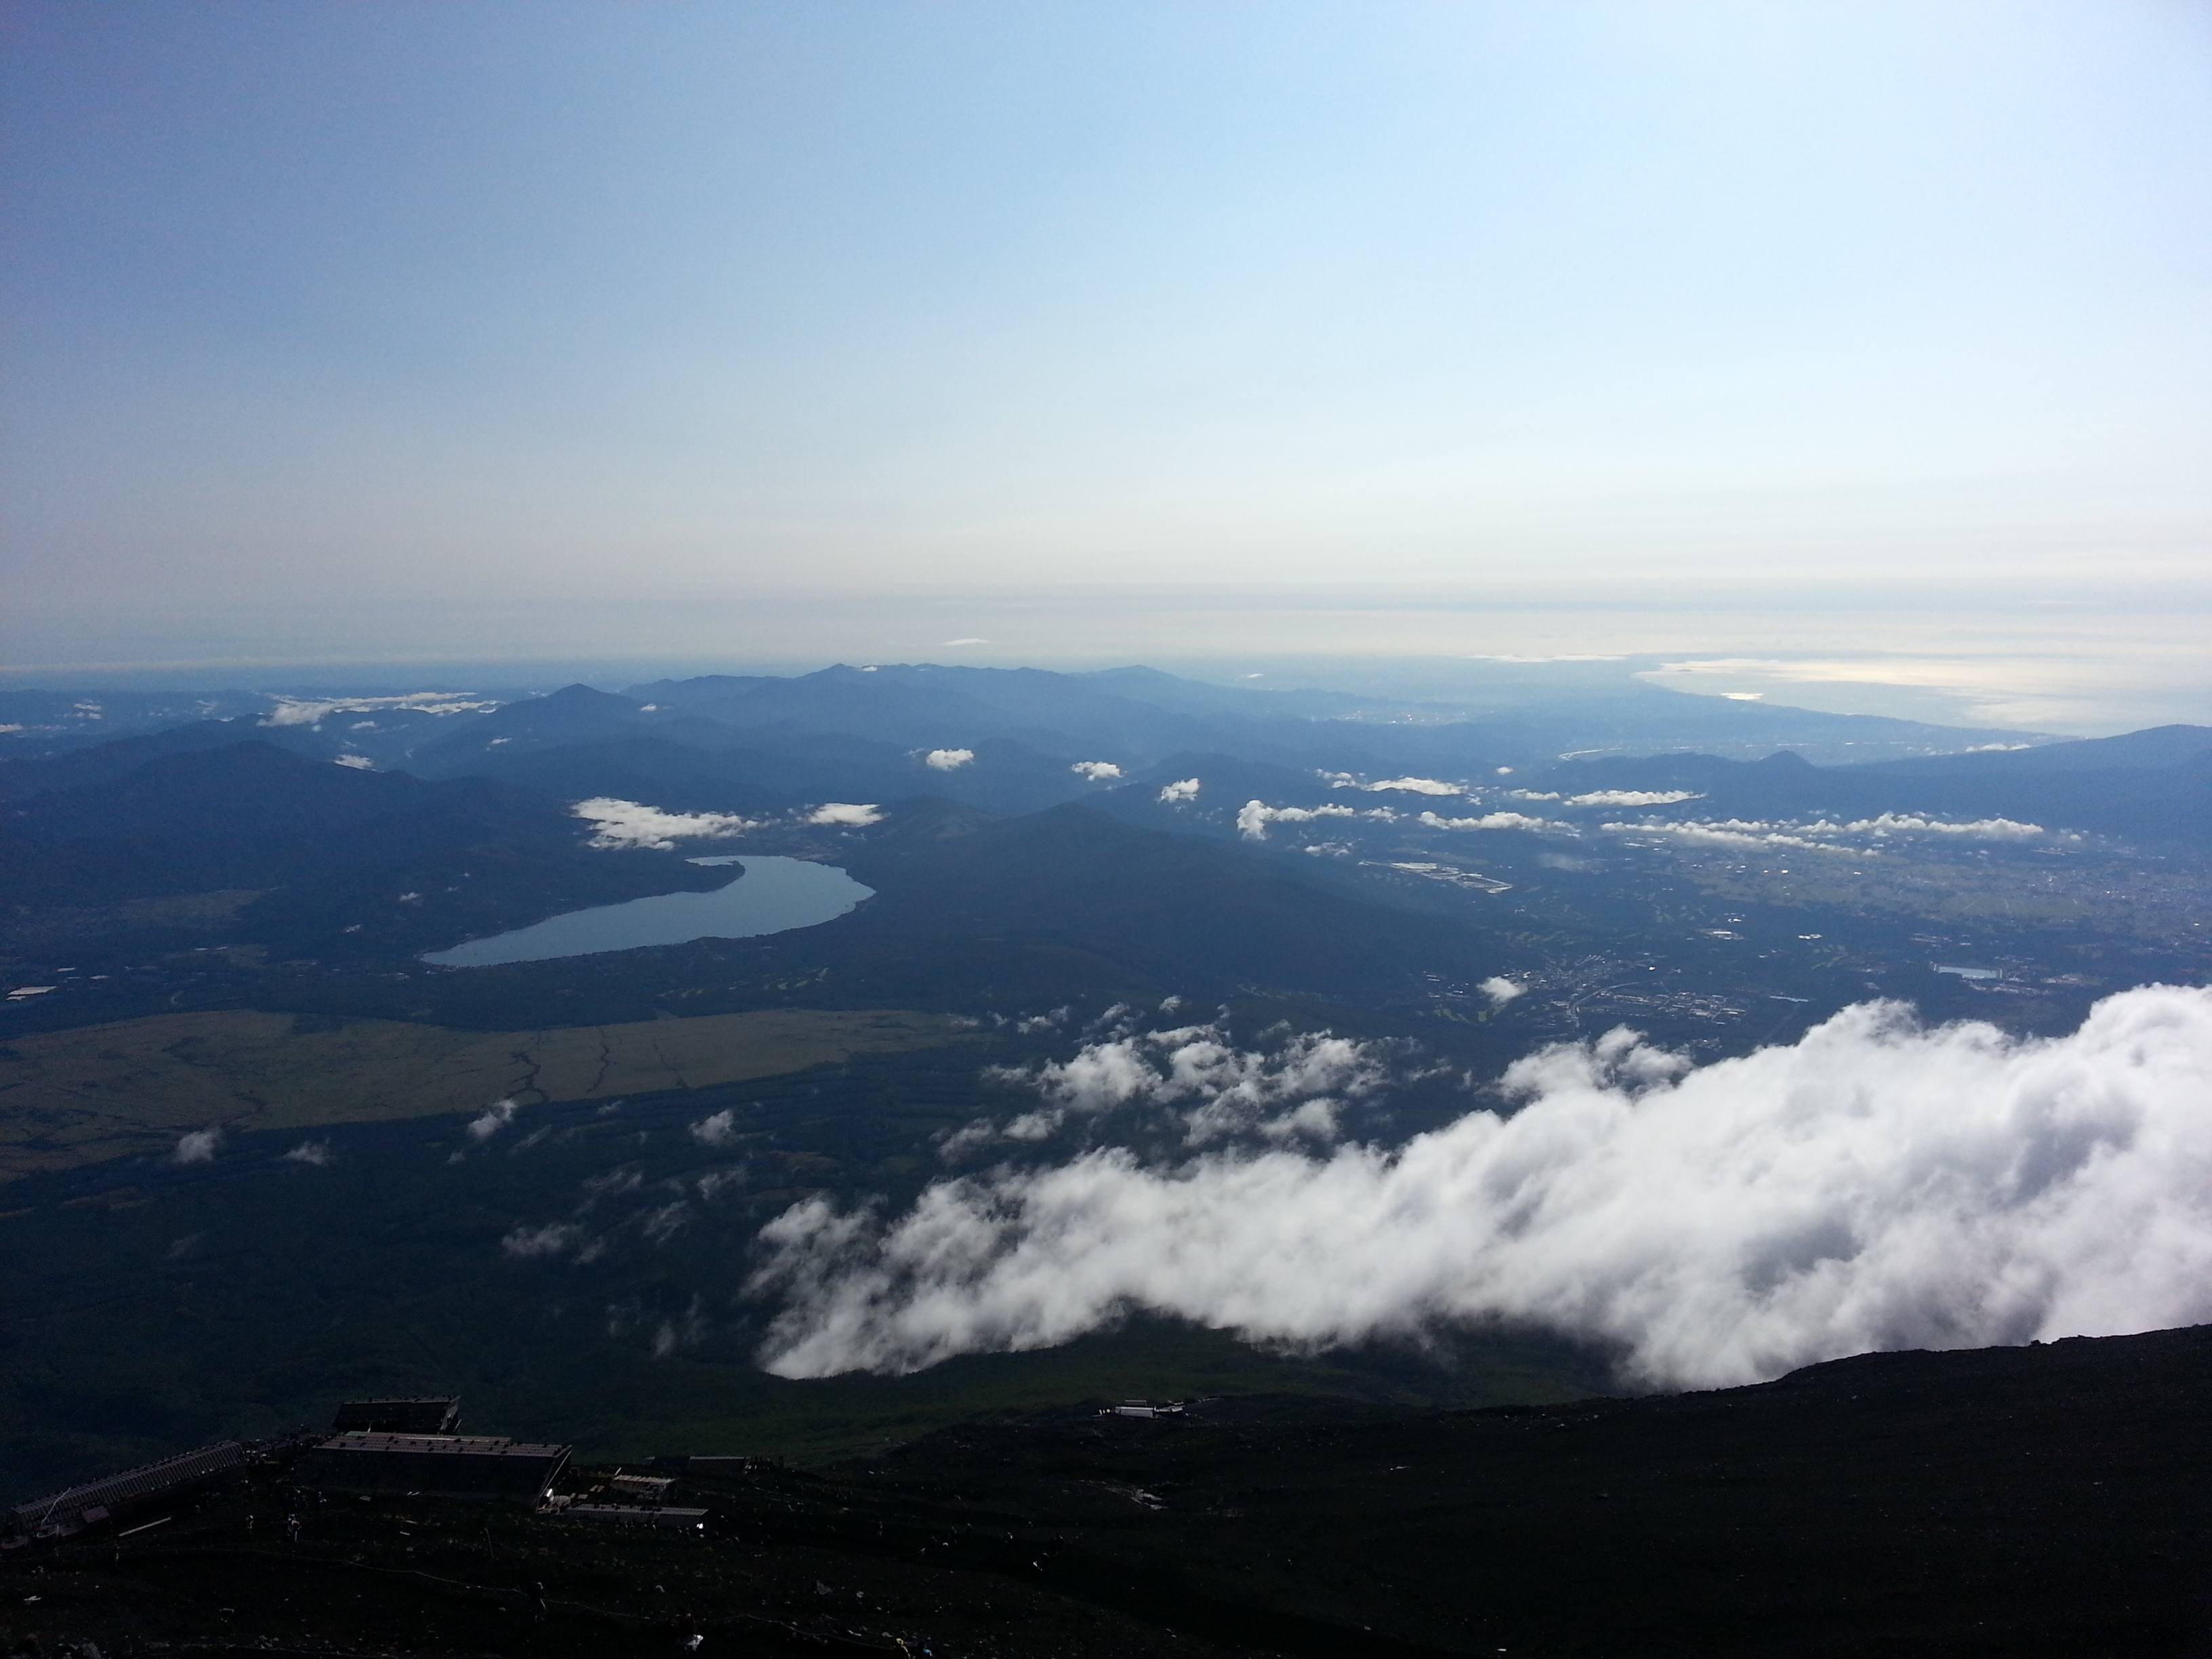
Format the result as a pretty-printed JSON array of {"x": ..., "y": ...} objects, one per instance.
[{"x": 2035, "y": 1501}]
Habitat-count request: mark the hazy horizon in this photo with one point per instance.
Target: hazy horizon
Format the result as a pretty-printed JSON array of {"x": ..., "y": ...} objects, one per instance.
[{"x": 1859, "y": 347}]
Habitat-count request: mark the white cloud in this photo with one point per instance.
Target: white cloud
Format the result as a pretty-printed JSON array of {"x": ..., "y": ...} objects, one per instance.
[
  {"x": 1903, "y": 823},
  {"x": 1183, "y": 791},
  {"x": 358, "y": 763},
  {"x": 629, "y": 823},
  {"x": 1629, "y": 797},
  {"x": 847, "y": 812},
  {"x": 317, "y": 1152},
  {"x": 1254, "y": 815},
  {"x": 198, "y": 1146},
  {"x": 1096, "y": 771},
  {"x": 495, "y": 1117},
  {"x": 1493, "y": 820},
  {"x": 1409, "y": 786},
  {"x": 718, "y": 1130},
  {"x": 308, "y": 711},
  {"x": 1212, "y": 1089},
  {"x": 1500, "y": 990},
  {"x": 1876, "y": 1185},
  {"x": 949, "y": 759}
]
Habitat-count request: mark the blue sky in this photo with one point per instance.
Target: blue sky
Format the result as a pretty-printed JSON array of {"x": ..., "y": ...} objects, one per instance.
[{"x": 350, "y": 332}]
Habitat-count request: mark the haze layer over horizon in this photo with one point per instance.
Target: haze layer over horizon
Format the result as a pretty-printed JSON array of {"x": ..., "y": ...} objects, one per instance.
[{"x": 1855, "y": 343}]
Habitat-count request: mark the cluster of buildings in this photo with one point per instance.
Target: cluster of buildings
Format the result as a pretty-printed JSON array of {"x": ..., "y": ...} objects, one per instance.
[{"x": 398, "y": 1448}]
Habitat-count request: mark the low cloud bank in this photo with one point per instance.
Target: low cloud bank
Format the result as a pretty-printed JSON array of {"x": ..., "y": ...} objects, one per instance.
[{"x": 1877, "y": 1185}]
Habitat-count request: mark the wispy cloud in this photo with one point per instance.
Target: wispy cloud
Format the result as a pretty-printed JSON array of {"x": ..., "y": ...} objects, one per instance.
[
  {"x": 1820, "y": 835},
  {"x": 526, "y": 1243},
  {"x": 1725, "y": 835},
  {"x": 1877, "y": 1184}
]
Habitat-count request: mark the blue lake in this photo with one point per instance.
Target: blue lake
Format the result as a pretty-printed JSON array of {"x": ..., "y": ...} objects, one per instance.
[{"x": 774, "y": 895}]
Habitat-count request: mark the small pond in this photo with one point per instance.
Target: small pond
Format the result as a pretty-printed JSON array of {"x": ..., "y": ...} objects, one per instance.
[{"x": 774, "y": 895}]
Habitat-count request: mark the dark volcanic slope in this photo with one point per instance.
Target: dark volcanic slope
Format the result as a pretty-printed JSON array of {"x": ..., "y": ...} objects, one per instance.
[{"x": 2044, "y": 1501}]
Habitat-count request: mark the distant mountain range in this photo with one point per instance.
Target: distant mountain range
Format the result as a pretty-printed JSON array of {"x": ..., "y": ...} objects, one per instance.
[
  {"x": 1122, "y": 715},
  {"x": 1043, "y": 828}
]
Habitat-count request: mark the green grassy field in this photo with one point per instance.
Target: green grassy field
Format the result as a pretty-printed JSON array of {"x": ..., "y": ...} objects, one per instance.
[{"x": 79, "y": 1097}]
